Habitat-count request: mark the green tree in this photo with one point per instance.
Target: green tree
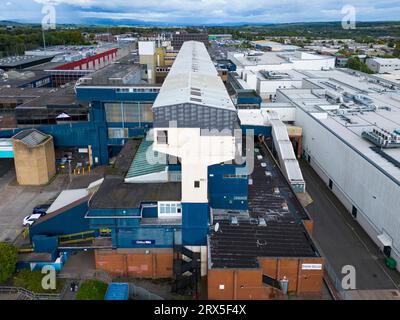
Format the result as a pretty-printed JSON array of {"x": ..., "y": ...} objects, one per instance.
[
  {"x": 8, "y": 261},
  {"x": 396, "y": 51},
  {"x": 356, "y": 64}
]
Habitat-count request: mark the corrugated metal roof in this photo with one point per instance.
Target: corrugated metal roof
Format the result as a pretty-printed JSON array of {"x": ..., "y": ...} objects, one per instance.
[
  {"x": 141, "y": 164},
  {"x": 193, "y": 70}
]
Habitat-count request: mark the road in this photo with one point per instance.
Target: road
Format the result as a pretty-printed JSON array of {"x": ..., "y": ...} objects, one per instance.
[{"x": 342, "y": 239}]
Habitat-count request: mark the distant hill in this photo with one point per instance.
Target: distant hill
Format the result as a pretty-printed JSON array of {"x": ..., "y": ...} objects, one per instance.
[{"x": 10, "y": 23}]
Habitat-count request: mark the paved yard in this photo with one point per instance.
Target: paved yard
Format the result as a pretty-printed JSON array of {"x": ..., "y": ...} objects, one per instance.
[{"x": 18, "y": 201}]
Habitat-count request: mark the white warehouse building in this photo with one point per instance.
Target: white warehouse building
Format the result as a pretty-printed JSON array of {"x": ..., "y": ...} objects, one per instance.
[
  {"x": 351, "y": 137},
  {"x": 269, "y": 71},
  {"x": 383, "y": 65}
]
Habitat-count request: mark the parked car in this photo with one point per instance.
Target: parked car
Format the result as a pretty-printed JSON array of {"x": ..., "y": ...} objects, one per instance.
[
  {"x": 41, "y": 208},
  {"x": 29, "y": 220}
]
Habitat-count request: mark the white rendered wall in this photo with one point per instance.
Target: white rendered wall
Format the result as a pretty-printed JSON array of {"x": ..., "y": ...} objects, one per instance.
[
  {"x": 266, "y": 87},
  {"x": 196, "y": 153}
]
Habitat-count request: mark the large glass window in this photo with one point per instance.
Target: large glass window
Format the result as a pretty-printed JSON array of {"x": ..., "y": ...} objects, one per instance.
[
  {"x": 113, "y": 112},
  {"x": 129, "y": 112}
]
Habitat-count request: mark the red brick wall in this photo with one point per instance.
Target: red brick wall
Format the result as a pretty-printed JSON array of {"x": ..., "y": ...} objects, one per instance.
[{"x": 136, "y": 263}]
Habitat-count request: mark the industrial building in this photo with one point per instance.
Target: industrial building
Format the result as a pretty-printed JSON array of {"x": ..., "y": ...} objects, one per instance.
[
  {"x": 179, "y": 37},
  {"x": 350, "y": 123},
  {"x": 383, "y": 65},
  {"x": 266, "y": 45},
  {"x": 265, "y": 72},
  {"x": 182, "y": 191}
]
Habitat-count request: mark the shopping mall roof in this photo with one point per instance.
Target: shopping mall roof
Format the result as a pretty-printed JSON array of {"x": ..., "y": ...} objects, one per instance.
[{"x": 193, "y": 79}]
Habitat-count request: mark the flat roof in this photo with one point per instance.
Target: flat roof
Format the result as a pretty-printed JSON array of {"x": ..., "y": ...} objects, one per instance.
[
  {"x": 121, "y": 72},
  {"x": 114, "y": 193},
  {"x": 349, "y": 122},
  {"x": 283, "y": 234},
  {"x": 16, "y": 61},
  {"x": 62, "y": 97},
  {"x": 273, "y": 58}
]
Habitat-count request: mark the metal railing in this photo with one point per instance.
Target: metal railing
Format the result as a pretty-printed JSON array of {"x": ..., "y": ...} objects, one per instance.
[
  {"x": 25, "y": 294},
  {"x": 139, "y": 293}
]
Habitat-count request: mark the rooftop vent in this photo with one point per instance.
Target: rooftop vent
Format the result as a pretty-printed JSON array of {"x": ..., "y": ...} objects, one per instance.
[
  {"x": 234, "y": 221},
  {"x": 262, "y": 222}
]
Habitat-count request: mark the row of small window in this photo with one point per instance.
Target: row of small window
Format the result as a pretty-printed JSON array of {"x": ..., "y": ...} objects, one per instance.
[
  {"x": 127, "y": 90},
  {"x": 235, "y": 176}
]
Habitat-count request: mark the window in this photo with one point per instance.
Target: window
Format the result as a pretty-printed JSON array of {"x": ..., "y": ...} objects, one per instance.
[
  {"x": 169, "y": 209},
  {"x": 162, "y": 136},
  {"x": 354, "y": 212},
  {"x": 113, "y": 112},
  {"x": 235, "y": 176},
  {"x": 197, "y": 184},
  {"x": 117, "y": 133}
]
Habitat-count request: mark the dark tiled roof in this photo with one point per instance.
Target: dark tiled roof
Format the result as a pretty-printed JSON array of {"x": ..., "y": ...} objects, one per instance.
[{"x": 282, "y": 233}]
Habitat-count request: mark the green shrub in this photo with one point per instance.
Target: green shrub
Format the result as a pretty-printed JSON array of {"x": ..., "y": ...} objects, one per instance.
[
  {"x": 8, "y": 261},
  {"x": 32, "y": 281},
  {"x": 92, "y": 290}
]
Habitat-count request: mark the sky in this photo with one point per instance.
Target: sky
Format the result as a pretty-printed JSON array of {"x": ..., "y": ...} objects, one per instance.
[{"x": 199, "y": 11}]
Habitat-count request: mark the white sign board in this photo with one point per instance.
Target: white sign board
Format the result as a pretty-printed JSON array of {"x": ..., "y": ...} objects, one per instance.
[{"x": 311, "y": 266}]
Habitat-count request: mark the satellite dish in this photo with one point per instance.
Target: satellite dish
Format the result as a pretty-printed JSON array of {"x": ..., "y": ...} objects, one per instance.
[{"x": 216, "y": 227}]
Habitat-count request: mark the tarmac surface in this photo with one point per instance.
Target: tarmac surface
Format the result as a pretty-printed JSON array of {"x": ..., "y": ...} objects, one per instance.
[
  {"x": 17, "y": 201},
  {"x": 342, "y": 239}
]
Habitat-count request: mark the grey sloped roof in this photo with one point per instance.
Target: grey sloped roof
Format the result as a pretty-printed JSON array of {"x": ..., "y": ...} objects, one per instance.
[{"x": 31, "y": 137}]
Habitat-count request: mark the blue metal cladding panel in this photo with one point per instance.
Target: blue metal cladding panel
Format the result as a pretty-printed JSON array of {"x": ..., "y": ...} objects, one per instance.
[
  {"x": 249, "y": 100},
  {"x": 225, "y": 191},
  {"x": 264, "y": 130},
  {"x": 150, "y": 212},
  {"x": 43, "y": 243},
  {"x": 110, "y": 94},
  {"x": 145, "y": 237},
  {"x": 70, "y": 221},
  {"x": 74, "y": 135},
  {"x": 195, "y": 218}
]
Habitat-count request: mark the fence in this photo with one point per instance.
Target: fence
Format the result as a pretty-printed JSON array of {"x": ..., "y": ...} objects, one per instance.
[
  {"x": 334, "y": 280},
  {"x": 24, "y": 294},
  {"x": 139, "y": 293}
]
